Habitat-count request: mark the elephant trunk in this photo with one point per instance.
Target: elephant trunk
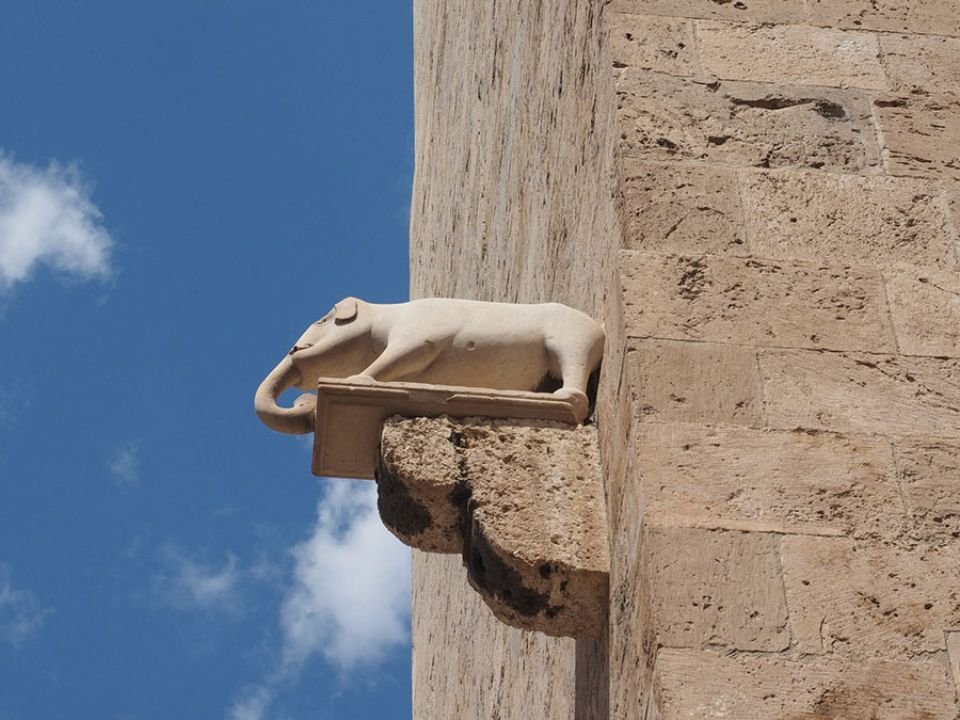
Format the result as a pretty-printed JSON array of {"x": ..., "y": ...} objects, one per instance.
[{"x": 296, "y": 420}]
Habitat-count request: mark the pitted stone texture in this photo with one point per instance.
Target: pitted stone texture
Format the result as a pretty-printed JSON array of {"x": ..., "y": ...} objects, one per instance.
[
  {"x": 695, "y": 382},
  {"x": 872, "y": 220},
  {"x": 698, "y": 594},
  {"x": 791, "y": 54},
  {"x": 756, "y": 11},
  {"x": 921, "y": 135},
  {"x": 859, "y": 393},
  {"x": 762, "y": 481},
  {"x": 926, "y": 311},
  {"x": 922, "y": 64},
  {"x": 468, "y": 664},
  {"x": 656, "y": 43},
  {"x": 668, "y": 118},
  {"x": 929, "y": 473},
  {"x": 937, "y": 17},
  {"x": 692, "y": 685},
  {"x": 870, "y": 599},
  {"x": 681, "y": 208},
  {"x": 755, "y": 302},
  {"x": 529, "y": 499}
]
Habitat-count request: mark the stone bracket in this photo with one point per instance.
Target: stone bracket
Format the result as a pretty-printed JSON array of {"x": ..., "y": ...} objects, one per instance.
[
  {"x": 521, "y": 500},
  {"x": 349, "y": 416}
]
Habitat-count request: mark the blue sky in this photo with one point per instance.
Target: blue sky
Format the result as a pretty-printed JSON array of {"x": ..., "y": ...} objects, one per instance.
[{"x": 183, "y": 188}]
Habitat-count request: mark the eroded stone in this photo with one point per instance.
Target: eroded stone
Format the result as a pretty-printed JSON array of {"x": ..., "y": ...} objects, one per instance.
[
  {"x": 872, "y": 220},
  {"x": 529, "y": 503},
  {"x": 922, "y": 63},
  {"x": 653, "y": 43},
  {"x": 921, "y": 134},
  {"x": 758, "y": 11},
  {"x": 925, "y": 306},
  {"x": 665, "y": 118},
  {"x": 929, "y": 472},
  {"x": 938, "y": 17},
  {"x": 755, "y": 302},
  {"x": 681, "y": 208},
  {"x": 791, "y": 55}
]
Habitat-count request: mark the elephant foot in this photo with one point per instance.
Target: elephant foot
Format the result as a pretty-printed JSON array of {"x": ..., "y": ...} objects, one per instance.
[{"x": 577, "y": 399}]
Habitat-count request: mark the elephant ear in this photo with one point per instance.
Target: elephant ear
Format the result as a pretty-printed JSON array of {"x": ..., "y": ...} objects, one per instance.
[{"x": 346, "y": 310}]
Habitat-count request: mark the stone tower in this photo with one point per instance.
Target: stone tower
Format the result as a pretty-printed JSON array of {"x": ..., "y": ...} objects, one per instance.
[{"x": 760, "y": 198}]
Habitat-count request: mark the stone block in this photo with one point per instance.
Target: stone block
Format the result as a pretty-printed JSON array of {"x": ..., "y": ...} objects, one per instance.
[
  {"x": 668, "y": 118},
  {"x": 695, "y": 382},
  {"x": 921, "y": 135},
  {"x": 938, "y": 17},
  {"x": 684, "y": 208},
  {"x": 925, "y": 306},
  {"x": 922, "y": 64},
  {"x": 755, "y": 11},
  {"x": 870, "y": 600},
  {"x": 791, "y": 55},
  {"x": 755, "y": 302},
  {"x": 528, "y": 499},
  {"x": 873, "y": 220},
  {"x": 858, "y": 393},
  {"x": 784, "y": 482},
  {"x": 693, "y": 685},
  {"x": 929, "y": 474},
  {"x": 698, "y": 594},
  {"x": 650, "y": 42}
]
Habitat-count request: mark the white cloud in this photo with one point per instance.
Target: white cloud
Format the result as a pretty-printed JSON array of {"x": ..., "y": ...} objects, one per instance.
[
  {"x": 349, "y": 602},
  {"x": 188, "y": 584},
  {"x": 20, "y": 613},
  {"x": 47, "y": 218},
  {"x": 124, "y": 465}
]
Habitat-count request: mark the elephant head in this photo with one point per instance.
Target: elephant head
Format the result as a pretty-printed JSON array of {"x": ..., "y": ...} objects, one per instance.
[{"x": 337, "y": 345}]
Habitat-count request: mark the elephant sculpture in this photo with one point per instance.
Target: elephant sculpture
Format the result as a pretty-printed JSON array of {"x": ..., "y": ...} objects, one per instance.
[{"x": 500, "y": 346}]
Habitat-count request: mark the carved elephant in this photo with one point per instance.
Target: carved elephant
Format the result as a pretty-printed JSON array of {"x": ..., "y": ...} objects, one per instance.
[{"x": 439, "y": 341}]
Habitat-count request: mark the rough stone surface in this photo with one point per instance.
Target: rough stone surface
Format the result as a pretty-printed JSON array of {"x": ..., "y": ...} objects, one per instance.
[
  {"x": 668, "y": 118},
  {"x": 698, "y": 595},
  {"x": 921, "y": 135},
  {"x": 938, "y": 17},
  {"x": 929, "y": 473},
  {"x": 847, "y": 218},
  {"x": 922, "y": 64},
  {"x": 841, "y": 392},
  {"x": 656, "y": 43},
  {"x": 755, "y": 302},
  {"x": 791, "y": 54},
  {"x": 695, "y": 382},
  {"x": 522, "y": 500},
  {"x": 869, "y": 599},
  {"x": 757, "y": 11},
  {"x": 685, "y": 209},
  {"x": 926, "y": 311},
  {"x": 704, "y": 685},
  {"x": 763, "y": 481}
]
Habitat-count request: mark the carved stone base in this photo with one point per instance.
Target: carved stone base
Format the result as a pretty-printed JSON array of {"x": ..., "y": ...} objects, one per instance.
[
  {"x": 522, "y": 500},
  {"x": 349, "y": 416}
]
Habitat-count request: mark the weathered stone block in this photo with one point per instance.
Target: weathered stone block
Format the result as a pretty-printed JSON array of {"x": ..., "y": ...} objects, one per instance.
[
  {"x": 925, "y": 306},
  {"x": 938, "y": 17},
  {"x": 704, "y": 685},
  {"x": 925, "y": 64},
  {"x": 757, "y": 11},
  {"x": 874, "y": 220},
  {"x": 787, "y": 482},
  {"x": 656, "y": 43},
  {"x": 921, "y": 135},
  {"x": 698, "y": 593},
  {"x": 695, "y": 382},
  {"x": 667, "y": 118},
  {"x": 791, "y": 55},
  {"x": 755, "y": 302},
  {"x": 528, "y": 500},
  {"x": 849, "y": 392},
  {"x": 929, "y": 472},
  {"x": 869, "y": 599},
  {"x": 681, "y": 208}
]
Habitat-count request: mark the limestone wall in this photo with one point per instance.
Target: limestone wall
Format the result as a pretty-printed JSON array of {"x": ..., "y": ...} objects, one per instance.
[{"x": 761, "y": 199}]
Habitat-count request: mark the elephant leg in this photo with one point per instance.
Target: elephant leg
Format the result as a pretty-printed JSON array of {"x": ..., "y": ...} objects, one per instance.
[
  {"x": 400, "y": 362},
  {"x": 575, "y": 369}
]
